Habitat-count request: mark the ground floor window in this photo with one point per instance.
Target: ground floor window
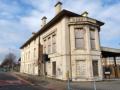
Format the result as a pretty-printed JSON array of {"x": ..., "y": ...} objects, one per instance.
[
  {"x": 95, "y": 67},
  {"x": 80, "y": 68}
]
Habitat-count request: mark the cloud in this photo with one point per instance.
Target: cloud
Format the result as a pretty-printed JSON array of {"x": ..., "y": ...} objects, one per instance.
[
  {"x": 18, "y": 18},
  {"x": 32, "y": 22},
  {"x": 3, "y": 50},
  {"x": 106, "y": 11},
  {"x": 11, "y": 31},
  {"x": 111, "y": 31},
  {"x": 40, "y": 8},
  {"x": 12, "y": 35},
  {"x": 41, "y": 5}
]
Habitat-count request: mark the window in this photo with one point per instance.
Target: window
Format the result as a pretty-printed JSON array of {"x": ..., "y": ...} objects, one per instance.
[
  {"x": 54, "y": 43},
  {"x": 79, "y": 38},
  {"x": 29, "y": 54},
  {"x": 34, "y": 52},
  {"x": 80, "y": 68},
  {"x": 34, "y": 41},
  {"x": 95, "y": 67},
  {"x": 92, "y": 38},
  {"x": 25, "y": 56},
  {"x": 49, "y": 45},
  {"x": 44, "y": 46}
]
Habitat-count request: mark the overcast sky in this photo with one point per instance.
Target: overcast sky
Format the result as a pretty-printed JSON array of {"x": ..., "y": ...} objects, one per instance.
[{"x": 19, "y": 18}]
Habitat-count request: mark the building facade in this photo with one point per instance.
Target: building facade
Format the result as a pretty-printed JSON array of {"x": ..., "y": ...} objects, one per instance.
[{"x": 68, "y": 46}]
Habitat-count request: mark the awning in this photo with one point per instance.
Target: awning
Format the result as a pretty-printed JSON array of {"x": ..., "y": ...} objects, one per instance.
[{"x": 110, "y": 52}]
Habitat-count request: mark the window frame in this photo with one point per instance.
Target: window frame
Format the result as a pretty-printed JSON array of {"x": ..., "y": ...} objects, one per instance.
[
  {"x": 44, "y": 46},
  {"x": 82, "y": 46},
  {"x": 95, "y": 68},
  {"x": 92, "y": 39},
  {"x": 54, "y": 43},
  {"x": 49, "y": 45}
]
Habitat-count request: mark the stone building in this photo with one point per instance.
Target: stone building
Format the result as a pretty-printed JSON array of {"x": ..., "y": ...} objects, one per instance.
[{"x": 66, "y": 46}]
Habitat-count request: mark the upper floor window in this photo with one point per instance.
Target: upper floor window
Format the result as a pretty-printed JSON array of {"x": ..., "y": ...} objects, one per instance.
[
  {"x": 26, "y": 56},
  {"x": 29, "y": 55},
  {"x": 53, "y": 43},
  {"x": 44, "y": 46},
  {"x": 35, "y": 41},
  {"x": 79, "y": 38},
  {"x": 49, "y": 45},
  {"x": 34, "y": 52},
  {"x": 92, "y": 38}
]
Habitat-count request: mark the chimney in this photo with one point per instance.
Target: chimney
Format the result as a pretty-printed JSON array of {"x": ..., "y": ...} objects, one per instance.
[
  {"x": 33, "y": 33},
  {"x": 58, "y": 7},
  {"x": 85, "y": 14},
  {"x": 43, "y": 21}
]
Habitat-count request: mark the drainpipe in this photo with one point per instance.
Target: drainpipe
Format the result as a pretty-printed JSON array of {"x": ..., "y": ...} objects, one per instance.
[
  {"x": 39, "y": 55},
  {"x": 70, "y": 55}
]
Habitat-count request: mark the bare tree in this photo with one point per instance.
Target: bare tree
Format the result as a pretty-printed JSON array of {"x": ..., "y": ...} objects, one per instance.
[{"x": 9, "y": 61}]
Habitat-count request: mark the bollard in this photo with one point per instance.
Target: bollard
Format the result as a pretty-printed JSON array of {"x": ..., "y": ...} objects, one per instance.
[
  {"x": 94, "y": 84},
  {"x": 68, "y": 83}
]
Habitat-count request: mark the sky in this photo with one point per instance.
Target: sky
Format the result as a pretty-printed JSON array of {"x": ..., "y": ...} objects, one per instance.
[{"x": 19, "y": 18}]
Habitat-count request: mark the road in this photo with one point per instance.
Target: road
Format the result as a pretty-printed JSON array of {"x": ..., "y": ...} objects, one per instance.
[{"x": 9, "y": 81}]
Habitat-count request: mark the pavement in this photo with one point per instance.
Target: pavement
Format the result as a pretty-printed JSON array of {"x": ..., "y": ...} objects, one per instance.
[
  {"x": 19, "y": 81},
  {"x": 52, "y": 84},
  {"x": 9, "y": 81}
]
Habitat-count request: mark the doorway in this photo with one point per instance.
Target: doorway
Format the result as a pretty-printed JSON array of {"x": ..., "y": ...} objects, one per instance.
[
  {"x": 95, "y": 68},
  {"x": 54, "y": 68}
]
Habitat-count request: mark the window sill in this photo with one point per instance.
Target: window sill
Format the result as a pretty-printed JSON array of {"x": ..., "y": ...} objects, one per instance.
[
  {"x": 79, "y": 49},
  {"x": 94, "y": 50},
  {"x": 51, "y": 53}
]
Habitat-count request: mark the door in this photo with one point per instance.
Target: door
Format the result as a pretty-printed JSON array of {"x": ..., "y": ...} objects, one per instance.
[
  {"x": 95, "y": 67},
  {"x": 54, "y": 68}
]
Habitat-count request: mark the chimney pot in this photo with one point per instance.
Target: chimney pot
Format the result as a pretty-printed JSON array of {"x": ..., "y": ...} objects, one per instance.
[
  {"x": 43, "y": 21},
  {"x": 85, "y": 14},
  {"x": 33, "y": 33}
]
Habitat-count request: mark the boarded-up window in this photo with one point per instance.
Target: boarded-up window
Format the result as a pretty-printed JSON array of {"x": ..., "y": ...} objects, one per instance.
[
  {"x": 49, "y": 45},
  {"x": 79, "y": 38},
  {"x": 53, "y": 43},
  {"x": 92, "y": 39},
  {"x": 80, "y": 68}
]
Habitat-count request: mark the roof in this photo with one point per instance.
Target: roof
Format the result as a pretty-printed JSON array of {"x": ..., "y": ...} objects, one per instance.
[
  {"x": 57, "y": 18},
  {"x": 110, "y": 52}
]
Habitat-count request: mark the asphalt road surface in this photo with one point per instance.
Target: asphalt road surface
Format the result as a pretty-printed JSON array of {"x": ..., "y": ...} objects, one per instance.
[{"x": 9, "y": 81}]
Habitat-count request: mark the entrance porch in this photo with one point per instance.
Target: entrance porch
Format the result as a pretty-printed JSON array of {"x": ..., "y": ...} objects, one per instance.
[{"x": 111, "y": 62}]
